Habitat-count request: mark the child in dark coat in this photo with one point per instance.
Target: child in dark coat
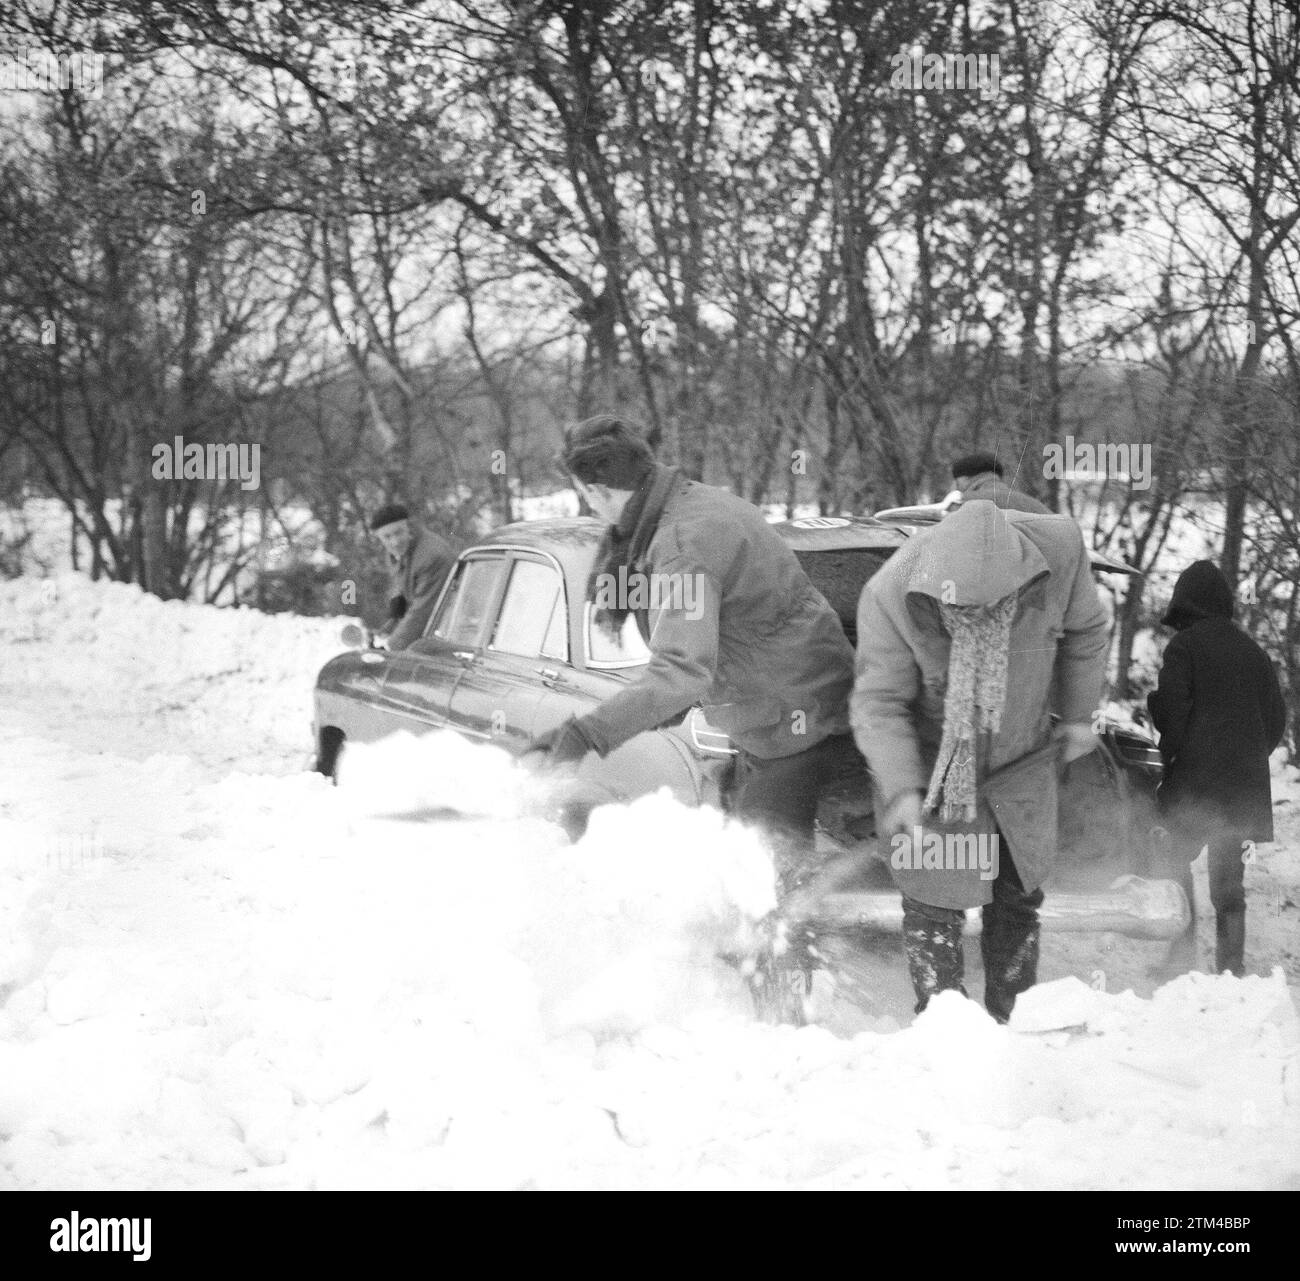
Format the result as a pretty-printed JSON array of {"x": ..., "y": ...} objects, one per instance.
[{"x": 1219, "y": 711}]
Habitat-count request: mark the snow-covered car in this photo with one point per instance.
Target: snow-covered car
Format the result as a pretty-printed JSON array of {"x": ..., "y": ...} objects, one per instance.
[{"x": 510, "y": 652}]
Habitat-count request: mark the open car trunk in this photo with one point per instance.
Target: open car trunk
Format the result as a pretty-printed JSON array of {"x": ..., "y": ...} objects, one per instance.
[{"x": 1107, "y": 799}]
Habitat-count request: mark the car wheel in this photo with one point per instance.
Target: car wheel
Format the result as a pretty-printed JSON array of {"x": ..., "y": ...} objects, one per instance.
[{"x": 329, "y": 752}]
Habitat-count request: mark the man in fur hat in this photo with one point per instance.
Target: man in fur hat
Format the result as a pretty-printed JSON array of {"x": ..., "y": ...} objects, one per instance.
[
  {"x": 969, "y": 638},
  {"x": 760, "y": 648}
]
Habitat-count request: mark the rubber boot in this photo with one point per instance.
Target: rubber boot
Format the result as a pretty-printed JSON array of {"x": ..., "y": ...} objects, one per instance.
[
  {"x": 1009, "y": 950},
  {"x": 1009, "y": 941},
  {"x": 934, "y": 954},
  {"x": 1230, "y": 942}
]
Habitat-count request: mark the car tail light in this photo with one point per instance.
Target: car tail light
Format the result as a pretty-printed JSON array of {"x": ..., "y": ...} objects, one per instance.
[
  {"x": 1134, "y": 750},
  {"x": 706, "y": 739}
]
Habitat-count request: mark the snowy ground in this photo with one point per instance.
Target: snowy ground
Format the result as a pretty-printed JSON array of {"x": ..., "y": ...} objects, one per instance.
[{"x": 218, "y": 972}]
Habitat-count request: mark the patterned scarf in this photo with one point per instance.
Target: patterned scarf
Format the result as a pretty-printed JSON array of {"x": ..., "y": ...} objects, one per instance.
[
  {"x": 624, "y": 545},
  {"x": 977, "y": 692}
]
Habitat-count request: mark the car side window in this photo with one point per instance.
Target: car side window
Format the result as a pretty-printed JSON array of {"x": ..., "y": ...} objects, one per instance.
[
  {"x": 605, "y": 648},
  {"x": 533, "y": 622},
  {"x": 468, "y": 599}
]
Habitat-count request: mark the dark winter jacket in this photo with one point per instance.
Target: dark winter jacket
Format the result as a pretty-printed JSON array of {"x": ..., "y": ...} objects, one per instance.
[
  {"x": 1056, "y": 661},
  {"x": 1219, "y": 711},
  {"x": 987, "y": 484},
  {"x": 764, "y": 652},
  {"x": 416, "y": 580}
]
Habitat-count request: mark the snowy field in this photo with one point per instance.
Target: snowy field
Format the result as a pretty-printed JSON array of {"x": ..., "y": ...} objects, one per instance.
[{"x": 216, "y": 971}]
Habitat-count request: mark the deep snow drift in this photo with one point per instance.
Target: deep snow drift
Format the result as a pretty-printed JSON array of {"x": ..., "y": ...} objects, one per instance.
[{"x": 218, "y": 971}]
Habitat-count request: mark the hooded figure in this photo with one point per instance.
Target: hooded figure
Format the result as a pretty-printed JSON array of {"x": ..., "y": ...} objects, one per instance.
[
  {"x": 969, "y": 639},
  {"x": 1219, "y": 710}
]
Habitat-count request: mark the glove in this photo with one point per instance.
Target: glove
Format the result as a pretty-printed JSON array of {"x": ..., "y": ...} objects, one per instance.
[
  {"x": 565, "y": 743},
  {"x": 1074, "y": 740},
  {"x": 903, "y": 813}
]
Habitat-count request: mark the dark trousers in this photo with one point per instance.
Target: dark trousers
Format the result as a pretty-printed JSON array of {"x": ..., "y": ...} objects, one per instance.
[
  {"x": 780, "y": 798},
  {"x": 1009, "y": 940},
  {"x": 1227, "y": 896}
]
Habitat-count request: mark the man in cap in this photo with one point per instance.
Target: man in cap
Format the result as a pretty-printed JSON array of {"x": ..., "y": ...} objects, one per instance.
[
  {"x": 969, "y": 638},
  {"x": 419, "y": 562},
  {"x": 979, "y": 475}
]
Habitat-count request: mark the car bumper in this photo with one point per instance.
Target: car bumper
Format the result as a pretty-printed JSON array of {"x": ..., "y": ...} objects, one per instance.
[{"x": 1131, "y": 906}]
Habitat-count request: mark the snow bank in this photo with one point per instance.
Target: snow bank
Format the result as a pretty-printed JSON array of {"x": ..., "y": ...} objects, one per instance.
[
  {"x": 228, "y": 683},
  {"x": 218, "y": 972}
]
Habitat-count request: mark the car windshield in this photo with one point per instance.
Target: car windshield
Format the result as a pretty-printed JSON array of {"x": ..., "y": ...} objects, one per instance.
[
  {"x": 608, "y": 648},
  {"x": 465, "y": 606},
  {"x": 532, "y": 623}
]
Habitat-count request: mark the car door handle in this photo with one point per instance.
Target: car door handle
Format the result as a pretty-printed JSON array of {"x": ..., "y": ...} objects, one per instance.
[
  {"x": 549, "y": 675},
  {"x": 466, "y": 656}
]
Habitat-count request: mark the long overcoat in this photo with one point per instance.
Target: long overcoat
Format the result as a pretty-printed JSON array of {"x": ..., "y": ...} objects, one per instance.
[
  {"x": 978, "y": 555},
  {"x": 1219, "y": 710}
]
